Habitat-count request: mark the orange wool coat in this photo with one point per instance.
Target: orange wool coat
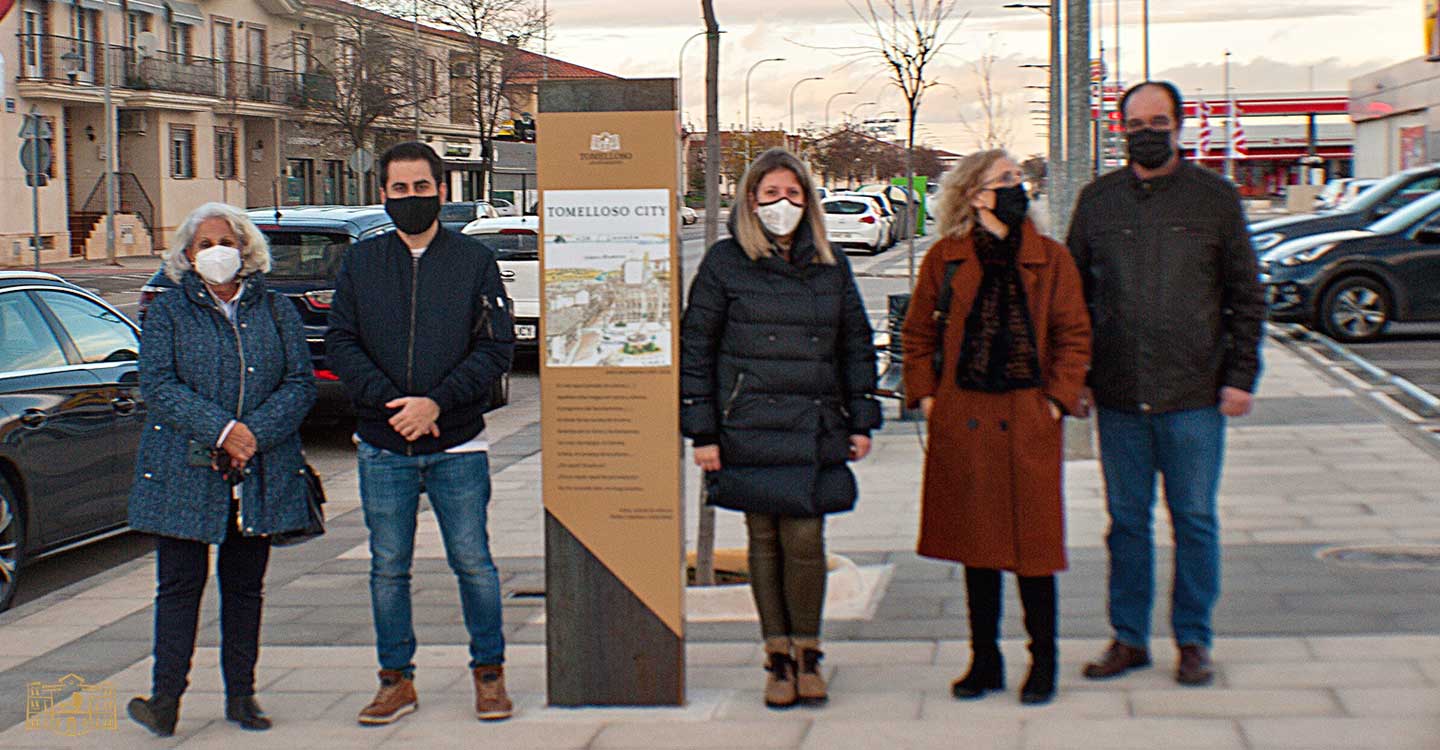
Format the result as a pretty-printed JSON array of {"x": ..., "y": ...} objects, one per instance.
[{"x": 992, "y": 494}]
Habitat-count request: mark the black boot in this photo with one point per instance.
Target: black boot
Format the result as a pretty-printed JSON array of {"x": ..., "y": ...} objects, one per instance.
[
  {"x": 158, "y": 713},
  {"x": 1038, "y": 595},
  {"x": 246, "y": 712},
  {"x": 987, "y": 668}
]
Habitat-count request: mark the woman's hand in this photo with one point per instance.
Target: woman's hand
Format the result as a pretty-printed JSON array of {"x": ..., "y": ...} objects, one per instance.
[
  {"x": 240, "y": 444},
  {"x": 1055, "y": 412},
  {"x": 707, "y": 457},
  {"x": 859, "y": 446},
  {"x": 926, "y": 404}
]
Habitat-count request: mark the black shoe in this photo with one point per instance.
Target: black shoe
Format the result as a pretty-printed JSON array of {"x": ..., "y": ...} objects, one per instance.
[
  {"x": 987, "y": 672},
  {"x": 246, "y": 712},
  {"x": 1039, "y": 686},
  {"x": 158, "y": 713}
]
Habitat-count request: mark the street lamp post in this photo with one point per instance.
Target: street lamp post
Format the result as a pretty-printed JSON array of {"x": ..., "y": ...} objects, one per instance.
[
  {"x": 792, "y": 97},
  {"x": 680, "y": 75},
  {"x": 831, "y": 99},
  {"x": 748, "y": 144},
  {"x": 851, "y": 114},
  {"x": 1055, "y": 136}
]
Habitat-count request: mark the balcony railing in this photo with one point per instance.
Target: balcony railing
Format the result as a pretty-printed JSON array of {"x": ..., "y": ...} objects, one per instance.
[{"x": 43, "y": 58}]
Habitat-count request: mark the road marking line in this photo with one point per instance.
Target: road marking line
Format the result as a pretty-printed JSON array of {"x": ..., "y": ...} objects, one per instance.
[{"x": 1390, "y": 403}]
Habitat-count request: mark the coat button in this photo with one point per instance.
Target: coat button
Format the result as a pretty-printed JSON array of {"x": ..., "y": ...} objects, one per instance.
[
  {"x": 815, "y": 338},
  {"x": 817, "y": 402},
  {"x": 244, "y": 325},
  {"x": 148, "y": 475},
  {"x": 1004, "y": 425},
  {"x": 771, "y": 337},
  {"x": 249, "y": 369},
  {"x": 157, "y": 428},
  {"x": 973, "y": 424},
  {"x": 1145, "y": 408}
]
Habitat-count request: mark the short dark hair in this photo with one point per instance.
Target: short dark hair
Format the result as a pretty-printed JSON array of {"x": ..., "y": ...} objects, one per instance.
[
  {"x": 411, "y": 151},
  {"x": 1177, "y": 100}
]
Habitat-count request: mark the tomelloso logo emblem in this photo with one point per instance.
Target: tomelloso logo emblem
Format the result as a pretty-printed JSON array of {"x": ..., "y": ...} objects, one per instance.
[
  {"x": 70, "y": 707},
  {"x": 605, "y": 142}
]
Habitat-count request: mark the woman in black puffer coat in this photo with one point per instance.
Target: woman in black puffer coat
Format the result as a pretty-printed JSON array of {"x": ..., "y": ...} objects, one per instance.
[{"x": 777, "y": 380}]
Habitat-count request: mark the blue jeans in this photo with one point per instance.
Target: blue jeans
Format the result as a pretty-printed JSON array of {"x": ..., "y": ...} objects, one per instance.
[
  {"x": 458, "y": 485},
  {"x": 1186, "y": 448}
]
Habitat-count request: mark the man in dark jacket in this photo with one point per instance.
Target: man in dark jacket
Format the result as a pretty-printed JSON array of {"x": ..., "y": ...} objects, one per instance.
[
  {"x": 420, "y": 329},
  {"x": 1171, "y": 281}
]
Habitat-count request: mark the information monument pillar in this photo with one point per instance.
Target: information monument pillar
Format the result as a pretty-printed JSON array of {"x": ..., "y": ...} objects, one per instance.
[{"x": 608, "y": 156}]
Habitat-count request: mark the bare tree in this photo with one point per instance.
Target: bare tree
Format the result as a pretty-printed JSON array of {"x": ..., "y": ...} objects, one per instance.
[
  {"x": 994, "y": 125},
  {"x": 705, "y": 536},
  {"x": 364, "y": 78},
  {"x": 907, "y": 36},
  {"x": 498, "y": 32}
]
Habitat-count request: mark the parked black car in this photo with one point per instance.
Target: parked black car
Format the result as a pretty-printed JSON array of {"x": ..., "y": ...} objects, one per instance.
[
  {"x": 306, "y": 243},
  {"x": 70, "y": 419},
  {"x": 1353, "y": 283},
  {"x": 1384, "y": 198}
]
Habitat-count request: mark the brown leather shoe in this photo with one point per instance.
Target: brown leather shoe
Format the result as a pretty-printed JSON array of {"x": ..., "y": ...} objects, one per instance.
[
  {"x": 810, "y": 685},
  {"x": 395, "y": 699},
  {"x": 1195, "y": 669},
  {"x": 780, "y": 688},
  {"x": 1117, "y": 660},
  {"x": 491, "y": 702}
]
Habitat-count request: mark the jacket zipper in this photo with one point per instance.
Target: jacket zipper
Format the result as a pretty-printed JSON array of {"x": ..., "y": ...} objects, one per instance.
[
  {"x": 410, "y": 357},
  {"x": 734, "y": 393},
  {"x": 239, "y": 411}
]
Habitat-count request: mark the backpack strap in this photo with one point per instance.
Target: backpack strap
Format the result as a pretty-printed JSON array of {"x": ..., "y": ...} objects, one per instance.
[{"x": 941, "y": 316}]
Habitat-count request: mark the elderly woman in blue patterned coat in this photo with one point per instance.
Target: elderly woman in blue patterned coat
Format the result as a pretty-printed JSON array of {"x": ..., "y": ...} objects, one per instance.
[{"x": 225, "y": 371}]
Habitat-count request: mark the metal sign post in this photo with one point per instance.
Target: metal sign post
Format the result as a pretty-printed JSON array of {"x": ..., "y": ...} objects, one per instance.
[{"x": 35, "y": 158}]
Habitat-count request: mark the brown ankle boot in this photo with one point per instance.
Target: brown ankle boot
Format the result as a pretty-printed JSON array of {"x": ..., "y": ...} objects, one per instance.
[
  {"x": 491, "y": 702},
  {"x": 395, "y": 699},
  {"x": 810, "y": 685},
  {"x": 780, "y": 684}
]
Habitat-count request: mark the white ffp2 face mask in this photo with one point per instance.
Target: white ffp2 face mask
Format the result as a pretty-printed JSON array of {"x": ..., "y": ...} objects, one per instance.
[
  {"x": 780, "y": 216},
  {"x": 218, "y": 264}
]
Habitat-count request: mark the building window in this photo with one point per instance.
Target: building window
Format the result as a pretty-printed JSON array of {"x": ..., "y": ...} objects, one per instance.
[
  {"x": 434, "y": 77},
  {"x": 179, "y": 41},
  {"x": 225, "y": 164},
  {"x": 334, "y": 182},
  {"x": 182, "y": 152},
  {"x": 302, "y": 54},
  {"x": 31, "y": 31},
  {"x": 136, "y": 23}
]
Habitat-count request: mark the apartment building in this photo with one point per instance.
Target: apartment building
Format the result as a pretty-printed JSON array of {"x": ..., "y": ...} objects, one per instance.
[{"x": 221, "y": 100}]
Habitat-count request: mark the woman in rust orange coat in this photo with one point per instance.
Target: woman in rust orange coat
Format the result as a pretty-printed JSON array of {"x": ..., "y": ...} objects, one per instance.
[{"x": 995, "y": 383}]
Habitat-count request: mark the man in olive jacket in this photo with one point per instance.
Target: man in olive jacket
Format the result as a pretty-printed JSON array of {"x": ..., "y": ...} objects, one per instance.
[{"x": 1176, "y": 304}]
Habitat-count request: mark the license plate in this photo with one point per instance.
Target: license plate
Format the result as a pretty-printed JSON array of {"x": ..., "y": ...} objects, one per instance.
[{"x": 525, "y": 332}]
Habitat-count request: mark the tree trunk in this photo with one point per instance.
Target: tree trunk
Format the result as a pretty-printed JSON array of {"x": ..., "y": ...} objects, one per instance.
[
  {"x": 705, "y": 537},
  {"x": 910, "y": 211}
]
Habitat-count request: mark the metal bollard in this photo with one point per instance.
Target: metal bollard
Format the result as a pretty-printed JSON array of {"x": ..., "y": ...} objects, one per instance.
[{"x": 892, "y": 381}]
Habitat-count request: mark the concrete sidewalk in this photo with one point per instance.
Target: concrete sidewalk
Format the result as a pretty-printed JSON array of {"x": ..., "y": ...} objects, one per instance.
[{"x": 1312, "y": 653}]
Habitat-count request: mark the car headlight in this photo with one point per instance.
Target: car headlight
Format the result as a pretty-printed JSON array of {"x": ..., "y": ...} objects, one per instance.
[
  {"x": 1308, "y": 256},
  {"x": 1263, "y": 242}
]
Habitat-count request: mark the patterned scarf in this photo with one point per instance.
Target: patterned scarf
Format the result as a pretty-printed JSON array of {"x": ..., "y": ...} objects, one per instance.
[{"x": 998, "y": 353}]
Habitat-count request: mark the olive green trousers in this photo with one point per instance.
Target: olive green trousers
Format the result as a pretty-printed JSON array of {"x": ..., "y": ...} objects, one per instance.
[{"x": 787, "y": 573}]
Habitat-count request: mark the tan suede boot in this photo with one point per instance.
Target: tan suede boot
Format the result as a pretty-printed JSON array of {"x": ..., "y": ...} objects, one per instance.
[
  {"x": 809, "y": 683},
  {"x": 491, "y": 701},
  {"x": 780, "y": 684}
]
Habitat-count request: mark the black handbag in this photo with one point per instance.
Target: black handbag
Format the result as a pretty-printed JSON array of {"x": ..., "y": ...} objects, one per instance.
[
  {"x": 314, "y": 490},
  {"x": 315, "y": 507}
]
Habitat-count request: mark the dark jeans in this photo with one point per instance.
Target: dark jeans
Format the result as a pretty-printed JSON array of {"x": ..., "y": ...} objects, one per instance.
[
  {"x": 181, "y": 567},
  {"x": 1186, "y": 448},
  {"x": 787, "y": 573}
]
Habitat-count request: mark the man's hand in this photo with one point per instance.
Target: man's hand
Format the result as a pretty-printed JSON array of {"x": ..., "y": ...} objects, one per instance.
[
  {"x": 1235, "y": 402},
  {"x": 707, "y": 457},
  {"x": 1087, "y": 402},
  {"x": 859, "y": 447},
  {"x": 926, "y": 404},
  {"x": 240, "y": 444},
  {"x": 416, "y": 417}
]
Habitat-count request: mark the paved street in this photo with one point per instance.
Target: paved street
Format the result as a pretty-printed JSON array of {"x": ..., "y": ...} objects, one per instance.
[{"x": 1313, "y": 653}]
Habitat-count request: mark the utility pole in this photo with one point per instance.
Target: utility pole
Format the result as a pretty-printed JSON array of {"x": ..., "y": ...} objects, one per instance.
[
  {"x": 1229, "y": 118},
  {"x": 1056, "y": 157},
  {"x": 110, "y": 163},
  {"x": 1145, "y": 34},
  {"x": 705, "y": 534},
  {"x": 1077, "y": 105},
  {"x": 415, "y": 39}
]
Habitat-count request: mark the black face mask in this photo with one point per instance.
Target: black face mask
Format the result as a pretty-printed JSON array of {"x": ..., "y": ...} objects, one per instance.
[
  {"x": 1150, "y": 148},
  {"x": 415, "y": 214},
  {"x": 1011, "y": 204}
]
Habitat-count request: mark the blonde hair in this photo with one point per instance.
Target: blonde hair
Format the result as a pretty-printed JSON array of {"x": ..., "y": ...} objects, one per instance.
[
  {"x": 750, "y": 233},
  {"x": 254, "y": 249},
  {"x": 957, "y": 214}
]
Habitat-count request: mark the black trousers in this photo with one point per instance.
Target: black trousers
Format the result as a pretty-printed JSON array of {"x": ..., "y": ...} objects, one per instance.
[{"x": 182, "y": 566}]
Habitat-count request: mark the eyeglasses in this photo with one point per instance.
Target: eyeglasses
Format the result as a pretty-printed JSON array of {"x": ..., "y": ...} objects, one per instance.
[
  {"x": 1158, "y": 122},
  {"x": 1009, "y": 179}
]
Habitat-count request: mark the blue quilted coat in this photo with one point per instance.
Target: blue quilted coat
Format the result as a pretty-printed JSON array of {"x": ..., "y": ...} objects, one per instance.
[{"x": 198, "y": 371}]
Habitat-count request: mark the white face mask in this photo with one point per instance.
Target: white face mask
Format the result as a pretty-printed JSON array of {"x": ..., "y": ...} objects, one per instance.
[
  {"x": 218, "y": 264},
  {"x": 780, "y": 216}
]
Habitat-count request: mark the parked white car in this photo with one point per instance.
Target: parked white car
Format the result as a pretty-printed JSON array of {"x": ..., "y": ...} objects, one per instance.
[
  {"x": 888, "y": 216},
  {"x": 504, "y": 207},
  {"x": 854, "y": 221},
  {"x": 516, "y": 242},
  {"x": 688, "y": 215}
]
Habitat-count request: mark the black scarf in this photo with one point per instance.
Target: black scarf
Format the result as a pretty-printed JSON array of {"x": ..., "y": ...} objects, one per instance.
[{"x": 998, "y": 353}]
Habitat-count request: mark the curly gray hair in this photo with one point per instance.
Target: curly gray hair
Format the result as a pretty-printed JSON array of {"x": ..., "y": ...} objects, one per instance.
[{"x": 254, "y": 249}]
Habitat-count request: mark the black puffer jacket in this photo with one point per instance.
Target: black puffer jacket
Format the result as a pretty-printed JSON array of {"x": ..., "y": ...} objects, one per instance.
[{"x": 777, "y": 366}]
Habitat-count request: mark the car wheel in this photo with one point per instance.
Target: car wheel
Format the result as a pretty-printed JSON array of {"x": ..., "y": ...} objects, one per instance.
[
  {"x": 1355, "y": 309},
  {"x": 12, "y": 544}
]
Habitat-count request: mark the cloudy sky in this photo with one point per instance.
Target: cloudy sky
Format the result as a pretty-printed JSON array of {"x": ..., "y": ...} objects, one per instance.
[{"x": 1281, "y": 45}]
